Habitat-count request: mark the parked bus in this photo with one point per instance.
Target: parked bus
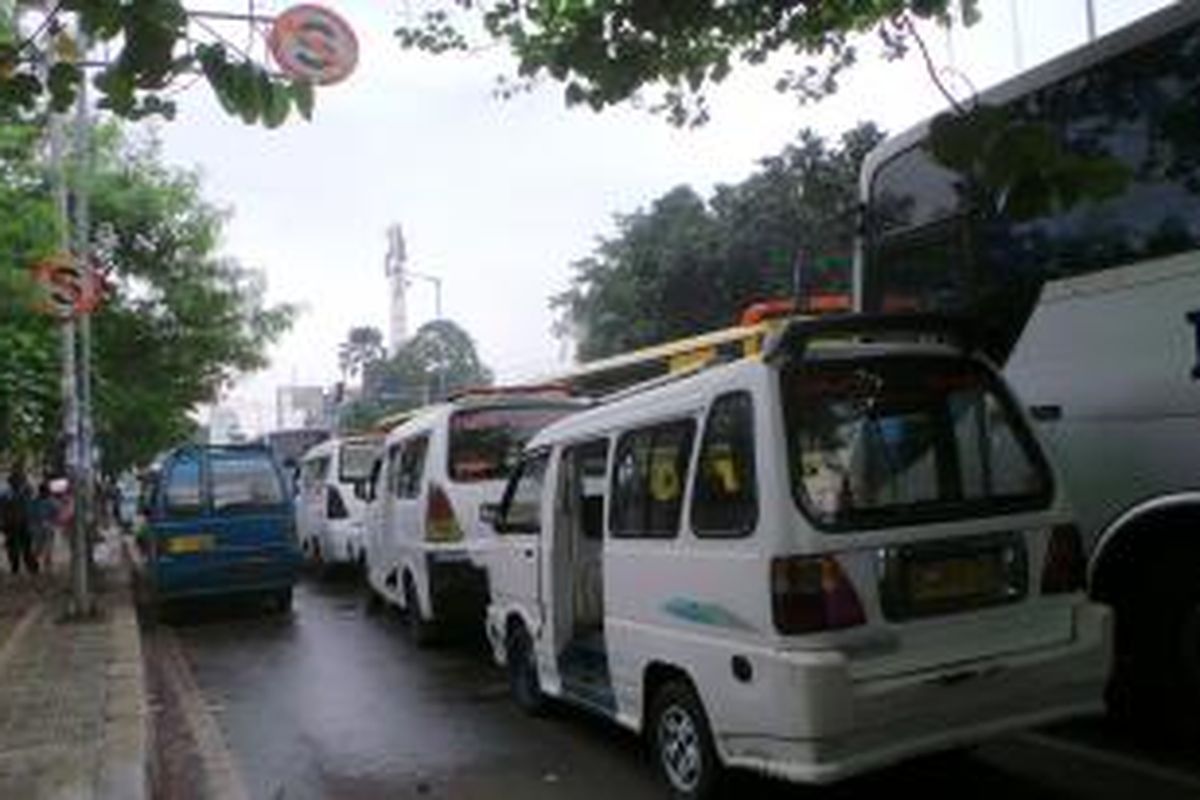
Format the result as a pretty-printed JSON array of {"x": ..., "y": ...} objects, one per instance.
[{"x": 1067, "y": 222}]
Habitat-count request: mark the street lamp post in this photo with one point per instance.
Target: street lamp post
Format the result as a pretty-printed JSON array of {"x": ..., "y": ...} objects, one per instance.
[{"x": 437, "y": 289}]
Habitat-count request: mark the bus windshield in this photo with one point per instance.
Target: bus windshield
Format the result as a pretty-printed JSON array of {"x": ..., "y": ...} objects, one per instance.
[
  {"x": 1112, "y": 179},
  {"x": 895, "y": 441}
]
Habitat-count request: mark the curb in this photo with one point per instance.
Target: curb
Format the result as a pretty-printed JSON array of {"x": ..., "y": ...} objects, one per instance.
[{"x": 124, "y": 772}]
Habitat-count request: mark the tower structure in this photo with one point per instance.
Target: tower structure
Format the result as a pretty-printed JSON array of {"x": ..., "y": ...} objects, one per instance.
[{"x": 394, "y": 268}]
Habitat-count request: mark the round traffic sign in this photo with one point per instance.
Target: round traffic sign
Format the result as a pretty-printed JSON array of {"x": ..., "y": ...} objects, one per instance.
[
  {"x": 68, "y": 287},
  {"x": 314, "y": 44}
]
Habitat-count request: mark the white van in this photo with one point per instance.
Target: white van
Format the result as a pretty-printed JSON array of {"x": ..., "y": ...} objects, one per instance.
[
  {"x": 440, "y": 468},
  {"x": 810, "y": 564},
  {"x": 331, "y": 499}
]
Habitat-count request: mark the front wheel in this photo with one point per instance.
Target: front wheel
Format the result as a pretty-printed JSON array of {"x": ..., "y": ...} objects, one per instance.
[
  {"x": 523, "y": 682},
  {"x": 682, "y": 744}
]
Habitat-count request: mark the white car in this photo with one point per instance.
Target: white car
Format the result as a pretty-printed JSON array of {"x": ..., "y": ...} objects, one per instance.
[
  {"x": 331, "y": 500},
  {"x": 441, "y": 467},
  {"x": 809, "y": 564}
]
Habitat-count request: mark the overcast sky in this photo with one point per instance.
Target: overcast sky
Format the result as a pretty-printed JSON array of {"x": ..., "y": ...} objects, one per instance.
[{"x": 499, "y": 197}]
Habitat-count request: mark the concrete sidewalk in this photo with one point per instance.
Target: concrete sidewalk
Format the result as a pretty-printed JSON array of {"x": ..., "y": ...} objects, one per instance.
[{"x": 73, "y": 710}]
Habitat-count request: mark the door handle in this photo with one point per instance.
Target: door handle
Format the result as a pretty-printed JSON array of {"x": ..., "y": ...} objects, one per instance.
[{"x": 528, "y": 553}]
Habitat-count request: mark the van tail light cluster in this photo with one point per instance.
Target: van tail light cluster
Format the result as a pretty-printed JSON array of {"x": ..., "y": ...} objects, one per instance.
[
  {"x": 335, "y": 507},
  {"x": 440, "y": 523},
  {"x": 811, "y": 594},
  {"x": 1065, "y": 567}
]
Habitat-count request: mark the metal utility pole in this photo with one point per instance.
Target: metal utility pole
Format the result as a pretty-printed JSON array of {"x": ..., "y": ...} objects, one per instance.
[
  {"x": 80, "y": 595},
  {"x": 86, "y": 512},
  {"x": 1091, "y": 19}
]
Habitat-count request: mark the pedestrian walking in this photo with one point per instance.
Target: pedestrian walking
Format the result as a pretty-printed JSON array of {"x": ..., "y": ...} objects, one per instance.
[
  {"x": 16, "y": 519},
  {"x": 45, "y": 522}
]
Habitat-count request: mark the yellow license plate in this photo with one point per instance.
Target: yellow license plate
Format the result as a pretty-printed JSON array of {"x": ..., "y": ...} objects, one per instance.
[
  {"x": 180, "y": 545},
  {"x": 956, "y": 579}
]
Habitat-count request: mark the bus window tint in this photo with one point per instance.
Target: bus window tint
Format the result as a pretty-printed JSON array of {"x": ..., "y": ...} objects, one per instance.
[
  {"x": 485, "y": 443},
  {"x": 183, "y": 496},
  {"x": 875, "y": 442},
  {"x": 1128, "y": 190},
  {"x": 244, "y": 482}
]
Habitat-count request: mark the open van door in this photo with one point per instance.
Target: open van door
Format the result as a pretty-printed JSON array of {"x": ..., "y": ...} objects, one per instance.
[{"x": 515, "y": 557}]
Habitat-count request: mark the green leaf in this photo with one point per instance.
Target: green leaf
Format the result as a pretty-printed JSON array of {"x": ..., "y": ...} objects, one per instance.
[
  {"x": 63, "y": 83},
  {"x": 302, "y": 94},
  {"x": 277, "y": 102}
]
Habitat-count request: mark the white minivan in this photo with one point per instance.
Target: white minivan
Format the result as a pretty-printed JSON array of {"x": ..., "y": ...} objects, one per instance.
[
  {"x": 331, "y": 499},
  {"x": 814, "y": 563},
  {"x": 440, "y": 468}
]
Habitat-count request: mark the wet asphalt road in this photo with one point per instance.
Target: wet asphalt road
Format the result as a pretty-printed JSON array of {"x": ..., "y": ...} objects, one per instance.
[{"x": 333, "y": 702}]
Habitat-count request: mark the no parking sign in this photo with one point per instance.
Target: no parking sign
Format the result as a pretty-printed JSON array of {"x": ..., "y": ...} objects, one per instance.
[{"x": 314, "y": 44}]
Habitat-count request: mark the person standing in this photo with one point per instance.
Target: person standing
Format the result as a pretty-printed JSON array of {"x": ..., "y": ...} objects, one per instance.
[
  {"x": 45, "y": 520},
  {"x": 16, "y": 514}
]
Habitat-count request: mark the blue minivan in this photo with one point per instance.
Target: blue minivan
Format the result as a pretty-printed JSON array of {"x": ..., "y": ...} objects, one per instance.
[{"x": 218, "y": 522}]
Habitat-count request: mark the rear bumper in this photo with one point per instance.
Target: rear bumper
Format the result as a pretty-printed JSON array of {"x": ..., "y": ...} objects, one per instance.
[
  {"x": 341, "y": 541},
  {"x": 870, "y": 724},
  {"x": 179, "y": 578}
]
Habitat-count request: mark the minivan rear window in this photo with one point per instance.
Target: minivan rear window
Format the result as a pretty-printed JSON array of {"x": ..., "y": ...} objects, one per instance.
[
  {"x": 894, "y": 440},
  {"x": 485, "y": 443},
  {"x": 244, "y": 482},
  {"x": 356, "y": 462}
]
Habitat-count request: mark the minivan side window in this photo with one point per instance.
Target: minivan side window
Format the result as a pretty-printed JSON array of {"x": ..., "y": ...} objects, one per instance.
[
  {"x": 649, "y": 479},
  {"x": 393, "y": 469},
  {"x": 412, "y": 467},
  {"x": 724, "y": 494},
  {"x": 584, "y": 468},
  {"x": 183, "y": 488},
  {"x": 244, "y": 482},
  {"x": 521, "y": 512}
]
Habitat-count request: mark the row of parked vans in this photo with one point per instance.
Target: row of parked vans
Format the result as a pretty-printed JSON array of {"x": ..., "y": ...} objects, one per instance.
[{"x": 847, "y": 550}]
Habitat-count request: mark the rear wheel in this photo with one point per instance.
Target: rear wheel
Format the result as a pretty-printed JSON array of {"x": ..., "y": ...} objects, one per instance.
[
  {"x": 281, "y": 601},
  {"x": 1157, "y": 675},
  {"x": 523, "y": 681},
  {"x": 682, "y": 744},
  {"x": 422, "y": 629}
]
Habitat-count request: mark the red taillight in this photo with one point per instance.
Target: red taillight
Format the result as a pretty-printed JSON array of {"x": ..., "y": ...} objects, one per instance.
[
  {"x": 810, "y": 594},
  {"x": 440, "y": 524},
  {"x": 335, "y": 507},
  {"x": 1064, "y": 569}
]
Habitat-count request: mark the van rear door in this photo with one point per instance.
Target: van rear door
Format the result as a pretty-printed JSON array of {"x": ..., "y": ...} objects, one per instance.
[
  {"x": 250, "y": 518},
  {"x": 927, "y": 484}
]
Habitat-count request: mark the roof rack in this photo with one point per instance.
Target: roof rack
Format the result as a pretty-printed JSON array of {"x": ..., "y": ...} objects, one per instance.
[
  {"x": 530, "y": 388},
  {"x": 795, "y": 338}
]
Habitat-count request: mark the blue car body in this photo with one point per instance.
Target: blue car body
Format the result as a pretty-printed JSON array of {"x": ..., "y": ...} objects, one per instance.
[{"x": 219, "y": 521}]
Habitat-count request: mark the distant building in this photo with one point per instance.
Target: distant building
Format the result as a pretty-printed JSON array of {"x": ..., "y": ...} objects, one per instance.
[
  {"x": 300, "y": 407},
  {"x": 224, "y": 426},
  {"x": 397, "y": 257}
]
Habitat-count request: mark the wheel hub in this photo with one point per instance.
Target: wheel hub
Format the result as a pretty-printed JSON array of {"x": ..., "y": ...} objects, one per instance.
[{"x": 679, "y": 749}]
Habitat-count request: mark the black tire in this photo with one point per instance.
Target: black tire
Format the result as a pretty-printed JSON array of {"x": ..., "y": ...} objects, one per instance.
[
  {"x": 681, "y": 743},
  {"x": 281, "y": 601},
  {"x": 420, "y": 628},
  {"x": 1155, "y": 688},
  {"x": 372, "y": 603},
  {"x": 521, "y": 664}
]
